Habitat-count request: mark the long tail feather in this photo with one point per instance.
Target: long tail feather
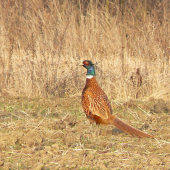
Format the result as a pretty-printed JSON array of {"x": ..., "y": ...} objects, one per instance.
[{"x": 127, "y": 128}]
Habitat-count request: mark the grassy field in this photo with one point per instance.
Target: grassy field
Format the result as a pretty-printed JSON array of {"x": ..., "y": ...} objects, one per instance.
[
  {"x": 55, "y": 134},
  {"x": 42, "y": 124}
]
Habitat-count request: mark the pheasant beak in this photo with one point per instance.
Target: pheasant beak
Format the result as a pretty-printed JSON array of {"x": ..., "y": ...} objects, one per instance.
[{"x": 81, "y": 64}]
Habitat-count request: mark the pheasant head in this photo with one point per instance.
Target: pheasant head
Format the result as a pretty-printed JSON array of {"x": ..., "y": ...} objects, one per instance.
[{"x": 90, "y": 68}]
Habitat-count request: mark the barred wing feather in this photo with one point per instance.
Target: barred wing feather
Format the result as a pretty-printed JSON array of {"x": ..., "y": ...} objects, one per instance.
[{"x": 99, "y": 105}]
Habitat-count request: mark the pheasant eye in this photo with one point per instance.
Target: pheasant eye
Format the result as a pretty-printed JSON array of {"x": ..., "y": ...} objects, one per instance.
[{"x": 86, "y": 63}]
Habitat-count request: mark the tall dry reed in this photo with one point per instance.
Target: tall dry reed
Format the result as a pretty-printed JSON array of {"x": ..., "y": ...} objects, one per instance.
[{"x": 42, "y": 43}]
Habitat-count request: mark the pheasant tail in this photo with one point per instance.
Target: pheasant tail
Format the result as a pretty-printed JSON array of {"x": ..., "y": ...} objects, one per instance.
[{"x": 127, "y": 128}]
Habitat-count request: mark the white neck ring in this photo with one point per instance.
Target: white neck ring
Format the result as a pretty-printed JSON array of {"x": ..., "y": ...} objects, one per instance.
[{"x": 89, "y": 76}]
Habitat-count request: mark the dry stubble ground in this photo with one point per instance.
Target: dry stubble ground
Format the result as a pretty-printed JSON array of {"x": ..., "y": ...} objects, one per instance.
[{"x": 55, "y": 134}]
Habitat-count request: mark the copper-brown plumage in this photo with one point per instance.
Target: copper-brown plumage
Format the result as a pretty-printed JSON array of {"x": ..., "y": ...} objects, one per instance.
[{"x": 97, "y": 107}]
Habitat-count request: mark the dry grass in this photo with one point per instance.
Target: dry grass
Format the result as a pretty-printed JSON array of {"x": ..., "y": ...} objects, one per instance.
[
  {"x": 38, "y": 134},
  {"x": 42, "y": 43},
  {"x": 42, "y": 125}
]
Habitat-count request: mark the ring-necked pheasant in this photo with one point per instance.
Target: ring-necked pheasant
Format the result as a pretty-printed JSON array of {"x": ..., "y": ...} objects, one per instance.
[{"x": 97, "y": 107}]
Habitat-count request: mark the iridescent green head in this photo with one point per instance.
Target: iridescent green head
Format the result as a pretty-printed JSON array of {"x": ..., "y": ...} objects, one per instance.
[{"x": 90, "y": 67}]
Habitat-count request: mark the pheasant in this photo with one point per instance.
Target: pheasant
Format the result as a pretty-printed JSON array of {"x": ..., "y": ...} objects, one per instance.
[{"x": 97, "y": 107}]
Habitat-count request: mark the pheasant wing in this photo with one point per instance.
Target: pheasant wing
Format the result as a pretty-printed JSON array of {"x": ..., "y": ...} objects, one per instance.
[{"x": 99, "y": 104}]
